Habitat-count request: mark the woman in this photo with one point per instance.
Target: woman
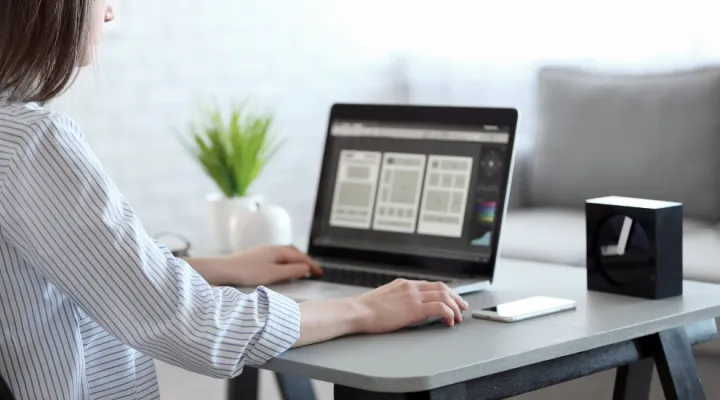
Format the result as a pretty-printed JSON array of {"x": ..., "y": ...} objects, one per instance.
[{"x": 87, "y": 298}]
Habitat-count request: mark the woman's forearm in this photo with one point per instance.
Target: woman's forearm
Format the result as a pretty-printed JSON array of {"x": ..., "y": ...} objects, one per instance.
[
  {"x": 323, "y": 320},
  {"x": 208, "y": 269}
]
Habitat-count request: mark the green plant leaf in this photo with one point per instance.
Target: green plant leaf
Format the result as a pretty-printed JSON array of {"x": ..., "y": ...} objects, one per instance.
[{"x": 233, "y": 152}]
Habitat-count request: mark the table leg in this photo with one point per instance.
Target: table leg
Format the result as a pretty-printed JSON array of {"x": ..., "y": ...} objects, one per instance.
[
  {"x": 452, "y": 392},
  {"x": 632, "y": 382},
  {"x": 244, "y": 386},
  {"x": 671, "y": 352},
  {"x": 294, "y": 388},
  {"x": 676, "y": 365}
]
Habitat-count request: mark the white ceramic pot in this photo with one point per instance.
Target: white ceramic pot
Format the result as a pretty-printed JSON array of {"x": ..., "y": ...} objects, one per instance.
[
  {"x": 257, "y": 224},
  {"x": 220, "y": 211}
]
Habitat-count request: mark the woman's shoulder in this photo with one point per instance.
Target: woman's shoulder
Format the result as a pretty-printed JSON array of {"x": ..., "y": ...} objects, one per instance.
[
  {"x": 31, "y": 115},
  {"x": 24, "y": 115},
  {"x": 24, "y": 124},
  {"x": 33, "y": 138}
]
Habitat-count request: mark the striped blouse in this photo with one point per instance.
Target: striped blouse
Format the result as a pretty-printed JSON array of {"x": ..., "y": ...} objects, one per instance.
[{"x": 87, "y": 298}]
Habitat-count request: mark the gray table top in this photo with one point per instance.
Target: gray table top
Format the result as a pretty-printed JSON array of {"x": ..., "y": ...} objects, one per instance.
[{"x": 436, "y": 356}]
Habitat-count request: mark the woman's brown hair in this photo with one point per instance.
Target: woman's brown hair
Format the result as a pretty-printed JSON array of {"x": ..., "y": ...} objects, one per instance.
[{"x": 42, "y": 44}]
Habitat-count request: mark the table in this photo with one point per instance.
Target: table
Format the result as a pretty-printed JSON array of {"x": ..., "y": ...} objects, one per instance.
[{"x": 489, "y": 360}]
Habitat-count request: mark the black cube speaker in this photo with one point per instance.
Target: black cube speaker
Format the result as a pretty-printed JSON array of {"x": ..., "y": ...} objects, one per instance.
[{"x": 634, "y": 247}]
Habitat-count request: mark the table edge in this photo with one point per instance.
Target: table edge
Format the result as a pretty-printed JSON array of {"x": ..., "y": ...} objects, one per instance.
[{"x": 465, "y": 373}]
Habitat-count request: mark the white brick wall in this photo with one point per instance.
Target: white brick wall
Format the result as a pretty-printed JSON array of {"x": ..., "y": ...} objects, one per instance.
[
  {"x": 165, "y": 57},
  {"x": 298, "y": 57}
]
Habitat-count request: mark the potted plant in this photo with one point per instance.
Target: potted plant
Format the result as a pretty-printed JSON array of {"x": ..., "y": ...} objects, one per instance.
[{"x": 233, "y": 150}]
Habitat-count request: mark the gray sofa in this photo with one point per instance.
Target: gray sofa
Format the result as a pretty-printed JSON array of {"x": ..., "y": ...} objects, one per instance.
[{"x": 651, "y": 136}]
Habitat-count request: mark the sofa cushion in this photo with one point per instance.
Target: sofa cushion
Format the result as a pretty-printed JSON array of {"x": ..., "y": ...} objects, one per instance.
[
  {"x": 558, "y": 236},
  {"x": 701, "y": 254},
  {"x": 547, "y": 235},
  {"x": 651, "y": 136}
]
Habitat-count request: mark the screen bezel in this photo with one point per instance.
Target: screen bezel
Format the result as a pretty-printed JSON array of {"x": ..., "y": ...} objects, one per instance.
[{"x": 417, "y": 114}]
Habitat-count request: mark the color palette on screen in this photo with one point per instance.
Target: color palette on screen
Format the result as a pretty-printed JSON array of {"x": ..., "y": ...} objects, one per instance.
[{"x": 486, "y": 211}]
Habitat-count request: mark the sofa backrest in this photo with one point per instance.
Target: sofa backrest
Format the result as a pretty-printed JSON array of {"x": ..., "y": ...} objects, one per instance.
[{"x": 651, "y": 136}]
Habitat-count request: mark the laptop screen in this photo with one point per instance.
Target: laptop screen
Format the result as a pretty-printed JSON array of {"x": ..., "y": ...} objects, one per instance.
[{"x": 417, "y": 188}]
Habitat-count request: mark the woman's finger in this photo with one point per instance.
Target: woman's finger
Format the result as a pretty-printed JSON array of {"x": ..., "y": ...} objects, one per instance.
[
  {"x": 432, "y": 286},
  {"x": 439, "y": 309},
  {"x": 442, "y": 296},
  {"x": 286, "y": 272},
  {"x": 292, "y": 255}
]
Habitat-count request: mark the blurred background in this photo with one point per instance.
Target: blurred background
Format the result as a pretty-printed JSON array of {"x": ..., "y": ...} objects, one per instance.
[{"x": 160, "y": 60}]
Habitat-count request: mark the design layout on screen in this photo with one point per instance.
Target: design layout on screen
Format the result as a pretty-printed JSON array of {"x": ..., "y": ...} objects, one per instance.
[
  {"x": 355, "y": 187},
  {"x": 400, "y": 185},
  {"x": 445, "y": 196},
  {"x": 413, "y": 188}
]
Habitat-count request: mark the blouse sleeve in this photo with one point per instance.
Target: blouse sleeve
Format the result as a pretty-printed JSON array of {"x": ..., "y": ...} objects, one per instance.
[{"x": 66, "y": 217}]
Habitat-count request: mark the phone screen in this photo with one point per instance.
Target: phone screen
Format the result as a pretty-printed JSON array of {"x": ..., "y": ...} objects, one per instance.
[{"x": 527, "y": 306}]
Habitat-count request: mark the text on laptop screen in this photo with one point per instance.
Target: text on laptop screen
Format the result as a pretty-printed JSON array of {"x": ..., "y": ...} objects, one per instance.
[{"x": 413, "y": 189}]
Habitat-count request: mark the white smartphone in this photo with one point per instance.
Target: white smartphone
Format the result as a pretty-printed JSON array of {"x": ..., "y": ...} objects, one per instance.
[{"x": 519, "y": 310}]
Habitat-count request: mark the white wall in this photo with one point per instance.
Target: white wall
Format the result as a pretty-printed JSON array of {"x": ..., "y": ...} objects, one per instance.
[
  {"x": 163, "y": 58},
  {"x": 298, "y": 57}
]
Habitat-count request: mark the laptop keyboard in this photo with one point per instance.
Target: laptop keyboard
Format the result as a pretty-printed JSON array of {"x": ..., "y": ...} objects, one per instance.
[{"x": 359, "y": 278}]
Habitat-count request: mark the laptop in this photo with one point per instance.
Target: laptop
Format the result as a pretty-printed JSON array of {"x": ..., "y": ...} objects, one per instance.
[{"x": 415, "y": 192}]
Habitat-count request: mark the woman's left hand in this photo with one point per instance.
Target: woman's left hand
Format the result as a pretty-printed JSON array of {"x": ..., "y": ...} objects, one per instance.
[{"x": 257, "y": 266}]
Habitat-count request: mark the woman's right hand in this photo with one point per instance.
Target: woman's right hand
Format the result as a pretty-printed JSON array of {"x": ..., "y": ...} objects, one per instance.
[
  {"x": 388, "y": 308},
  {"x": 405, "y": 303}
]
